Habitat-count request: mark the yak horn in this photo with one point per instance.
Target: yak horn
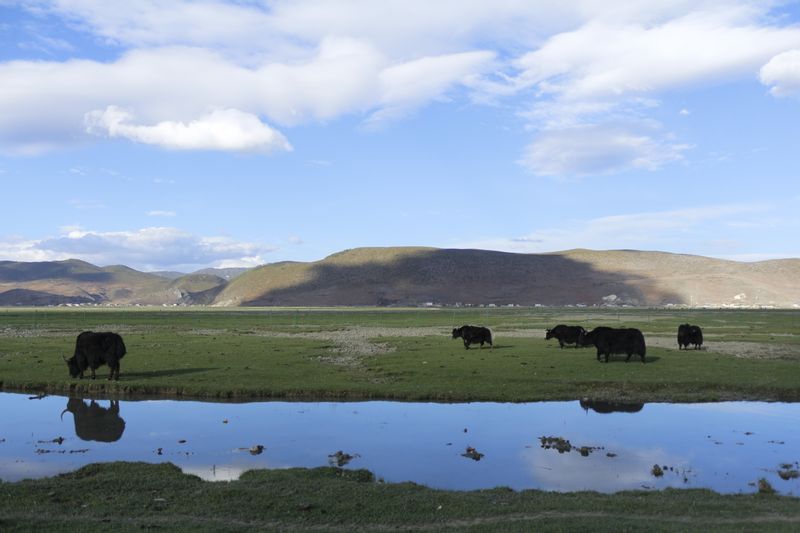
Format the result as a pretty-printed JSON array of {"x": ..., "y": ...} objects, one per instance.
[
  {"x": 62, "y": 413},
  {"x": 64, "y": 358}
]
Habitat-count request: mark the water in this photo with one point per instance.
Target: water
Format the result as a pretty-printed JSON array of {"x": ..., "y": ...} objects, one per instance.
[{"x": 726, "y": 446}]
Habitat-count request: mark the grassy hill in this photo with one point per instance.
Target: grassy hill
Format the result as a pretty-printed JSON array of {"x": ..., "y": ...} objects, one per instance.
[{"x": 414, "y": 276}]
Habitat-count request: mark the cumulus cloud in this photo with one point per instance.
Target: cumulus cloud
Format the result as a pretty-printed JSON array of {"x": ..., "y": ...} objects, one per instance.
[
  {"x": 782, "y": 73},
  {"x": 579, "y": 64},
  {"x": 603, "y": 59},
  {"x": 589, "y": 79},
  {"x": 224, "y": 129},
  {"x": 153, "y": 248},
  {"x": 162, "y": 96}
]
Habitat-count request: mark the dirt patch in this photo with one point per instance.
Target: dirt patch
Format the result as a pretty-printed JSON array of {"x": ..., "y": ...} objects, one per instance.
[
  {"x": 522, "y": 333},
  {"x": 352, "y": 345},
  {"x": 28, "y": 333}
]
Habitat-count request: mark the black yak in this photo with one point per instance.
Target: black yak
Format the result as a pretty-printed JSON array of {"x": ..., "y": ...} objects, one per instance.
[
  {"x": 565, "y": 334},
  {"x": 688, "y": 334},
  {"x": 93, "y": 350},
  {"x": 474, "y": 335},
  {"x": 609, "y": 341}
]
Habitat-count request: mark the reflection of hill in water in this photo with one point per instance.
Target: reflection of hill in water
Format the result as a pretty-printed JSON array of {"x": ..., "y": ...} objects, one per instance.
[
  {"x": 94, "y": 422},
  {"x": 605, "y": 407}
]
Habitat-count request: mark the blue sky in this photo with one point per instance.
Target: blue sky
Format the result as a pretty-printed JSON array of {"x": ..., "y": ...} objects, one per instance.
[{"x": 184, "y": 134}]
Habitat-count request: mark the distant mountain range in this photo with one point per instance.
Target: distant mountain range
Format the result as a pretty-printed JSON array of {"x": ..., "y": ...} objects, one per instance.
[
  {"x": 79, "y": 282},
  {"x": 422, "y": 276}
]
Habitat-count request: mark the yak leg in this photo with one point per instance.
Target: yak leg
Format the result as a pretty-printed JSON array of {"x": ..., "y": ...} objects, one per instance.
[{"x": 466, "y": 344}]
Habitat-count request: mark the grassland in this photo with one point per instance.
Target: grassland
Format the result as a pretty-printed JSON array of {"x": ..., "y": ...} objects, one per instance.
[{"x": 404, "y": 354}]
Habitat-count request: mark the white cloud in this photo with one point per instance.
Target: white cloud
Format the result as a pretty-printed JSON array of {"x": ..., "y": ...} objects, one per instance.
[
  {"x": 679, "y": 230},
  {"x": 160, "y": 213},
  {"x": 186, "y": 98},
  {"x": 588, "y": 80},
  {"x": 602, "y": 60},
  {"x": 410, "y": 84},
  {"x": 782, "y": 72},
  {"x": 153, "y": 248},
  {"x": 224, "y": 129},
  {"x": 598, "y": 149},
  {"x": 582, "y": 63}
]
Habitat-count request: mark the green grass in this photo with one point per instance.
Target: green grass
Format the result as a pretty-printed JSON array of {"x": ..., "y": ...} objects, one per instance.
[
  {"x": 136, "y": 496},
  {"x": 293, "y": 353}
]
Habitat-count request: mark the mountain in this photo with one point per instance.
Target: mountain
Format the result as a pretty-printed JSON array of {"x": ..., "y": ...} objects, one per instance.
[
  {"x": 422, "y": 276},
  {"x": 416, "y": 276},
  {"x": 224, "y": 273},
  {"x": 169, "y": 274},
  {"x": 74, "y": 281}
]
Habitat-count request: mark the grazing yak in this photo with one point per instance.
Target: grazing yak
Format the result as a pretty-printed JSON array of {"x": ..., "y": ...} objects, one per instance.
[
  {"x": 688, "y": 334},
  {"x": 565, "y": 334},
  {"x": 93, "y": 422},
  {"x": 474, "y": 335},
  {"x": 609, "y": 341},
  {"x": 93, "y": 350}
]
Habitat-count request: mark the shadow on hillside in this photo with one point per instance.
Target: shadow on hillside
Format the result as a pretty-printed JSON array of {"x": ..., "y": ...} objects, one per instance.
[
  {"x": 20, "y": 272},
  {"x": 468, "y": 277}
]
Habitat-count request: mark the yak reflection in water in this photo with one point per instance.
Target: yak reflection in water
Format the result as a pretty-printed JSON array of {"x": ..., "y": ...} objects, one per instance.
[
  {"x": 94, "y": 422},
  {"x": 605, "y": 407}
]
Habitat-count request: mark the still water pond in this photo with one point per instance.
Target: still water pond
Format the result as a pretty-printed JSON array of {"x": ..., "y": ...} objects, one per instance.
[{"x": 726, "y": 447}]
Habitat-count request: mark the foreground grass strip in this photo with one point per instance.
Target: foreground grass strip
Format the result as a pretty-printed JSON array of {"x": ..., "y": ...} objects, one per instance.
[{"x": 126, "y": 496}]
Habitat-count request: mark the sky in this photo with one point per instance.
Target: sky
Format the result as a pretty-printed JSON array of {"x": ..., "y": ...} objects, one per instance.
[{"x": 179, "y": 135}]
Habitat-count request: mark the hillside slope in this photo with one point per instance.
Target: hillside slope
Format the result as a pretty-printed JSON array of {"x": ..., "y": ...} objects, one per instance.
[
  {"x": 74, "y": 281},
  {"x": 414, "y": 276}
]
